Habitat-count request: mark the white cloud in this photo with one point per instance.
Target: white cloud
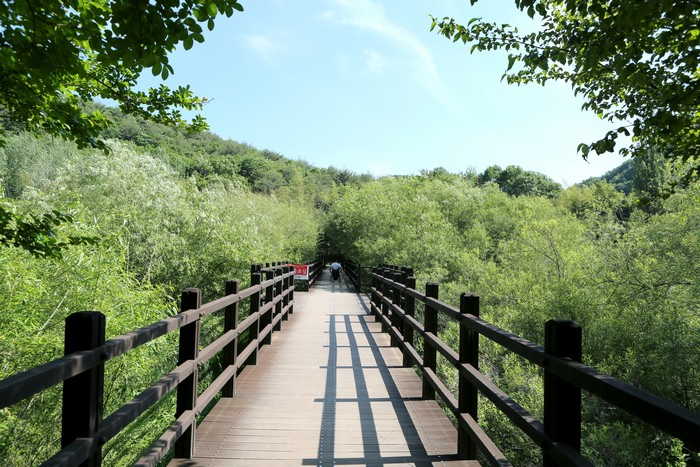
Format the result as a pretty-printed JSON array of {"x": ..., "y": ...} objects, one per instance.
[
  {"x": 264, "y": 46},
  {"x": 374, "y": 61},
  {"x": 370, "y": 16}
]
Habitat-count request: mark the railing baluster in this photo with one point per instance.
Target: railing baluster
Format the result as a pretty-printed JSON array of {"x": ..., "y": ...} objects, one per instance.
[
  {"x": 383, "y": 288},
  {"x": 277, "y": 287},
  {"x": 373, "y": 298},
  {"x": 187, "y": 389},
  {"x": 254, "y": 332},
  {"x": 429, "y": 351},
  {"x": 290, "y": 284},
  {"x": 231, "y": 350},
  {"x": 269, "y": 296},
  {"x": 358, "y": 271},
  {"x": 468, "y": 353},
  {"x": 395, "y": 297},
  {"x": 562, "y": 400},
  {"x": 410, "y": 309},
  {"x": 285, "y": 297},
  {"x": 83, "y": 393}
]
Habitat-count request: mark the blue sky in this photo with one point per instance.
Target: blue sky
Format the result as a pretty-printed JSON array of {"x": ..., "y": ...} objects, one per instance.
[{"x": 363, "y": 85}]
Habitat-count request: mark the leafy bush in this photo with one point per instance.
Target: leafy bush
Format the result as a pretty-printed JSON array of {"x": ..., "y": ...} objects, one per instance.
[
  {"x": 631, "y": 284},
  {"x": 158, "y": 232}
]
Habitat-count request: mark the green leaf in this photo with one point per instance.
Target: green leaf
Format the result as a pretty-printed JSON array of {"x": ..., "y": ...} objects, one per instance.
[
  {"x": 511, "y": 61},
  {"x": 201, "y": 14},
  {"x": 148, "y": 60},
  {"x": 584, "y": 149},
  {"x": 187, "y": 43},
  {"x": 238, "y": 6}
]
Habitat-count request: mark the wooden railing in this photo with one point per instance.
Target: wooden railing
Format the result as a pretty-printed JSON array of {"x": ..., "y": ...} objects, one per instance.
[
  {"x": 393, "y": 296},
  {"x": 353, "y": 271},
  {"x": 360, "y": 275},
  {"x": 81, "y": 370},
  {"x": 315, "y": 269}
]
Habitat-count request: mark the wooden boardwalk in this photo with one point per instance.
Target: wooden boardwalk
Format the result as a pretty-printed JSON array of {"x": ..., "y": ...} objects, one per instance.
[{"x": 328, "y": 391}]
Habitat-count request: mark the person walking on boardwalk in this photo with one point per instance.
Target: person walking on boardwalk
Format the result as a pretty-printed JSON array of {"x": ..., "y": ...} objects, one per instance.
[{"x": 335, "y": 270}]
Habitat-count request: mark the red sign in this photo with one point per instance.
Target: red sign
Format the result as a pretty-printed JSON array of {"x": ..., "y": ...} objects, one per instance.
[{"x": 301, "y": 271}]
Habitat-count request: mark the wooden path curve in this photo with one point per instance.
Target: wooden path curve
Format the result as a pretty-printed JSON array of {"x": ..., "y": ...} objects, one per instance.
[{"x": 330, "y": 390}]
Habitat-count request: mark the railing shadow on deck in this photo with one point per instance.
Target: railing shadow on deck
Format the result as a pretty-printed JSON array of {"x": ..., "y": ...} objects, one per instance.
[
  {"x": 393, "y": 296},
  {"x": 371, "y": 445}
]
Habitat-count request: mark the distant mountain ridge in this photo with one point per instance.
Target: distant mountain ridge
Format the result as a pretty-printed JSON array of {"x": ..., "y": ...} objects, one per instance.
[
  {"x": 620, "y": 177},
  {"x": 209, "y": 157}
]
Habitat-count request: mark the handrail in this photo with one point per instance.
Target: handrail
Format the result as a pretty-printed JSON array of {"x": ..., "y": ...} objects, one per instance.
[
  {"x": 315, "y": 269},
  {"x": 353, "y": 271},
  {"x": 27, "y": 383},
  {"x": 276, "y": 296},
  {"x": 393, "y": 296}
]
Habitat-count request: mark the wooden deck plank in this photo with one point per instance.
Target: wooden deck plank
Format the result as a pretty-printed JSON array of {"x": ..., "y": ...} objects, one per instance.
[{"x": 329, "y": 391}]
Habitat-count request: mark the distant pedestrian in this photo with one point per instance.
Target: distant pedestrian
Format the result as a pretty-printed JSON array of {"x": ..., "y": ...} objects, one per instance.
[{"x": 335, "y": 270}]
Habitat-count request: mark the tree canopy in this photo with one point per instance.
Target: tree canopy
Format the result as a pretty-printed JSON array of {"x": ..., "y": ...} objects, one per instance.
[
  {"x": 55, "y": 56},
  {"x": 636, "y": 65},
  {"x": 519, "y": 182}
]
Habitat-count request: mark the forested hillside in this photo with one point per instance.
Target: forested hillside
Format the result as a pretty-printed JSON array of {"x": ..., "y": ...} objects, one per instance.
[
  {"x": 621, "y": 177},
  {"x": 163, "y": 210}
]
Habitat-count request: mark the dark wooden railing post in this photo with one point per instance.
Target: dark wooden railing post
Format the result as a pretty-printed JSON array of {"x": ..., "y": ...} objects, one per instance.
[
  {"x": 410, "y": 309},
  {"x": 254, "y": 332},
  {"x": 277, "y": 293},
  {"x": 374, "y": 283},
  {"x": 429, "y": 351},
  {"x": 83, "y": 393},
  {"x": 187, "y": 390},
  {"x": 383, "y": 288},
  {"x": 395, "y": 297},
  {"x": 562, "y": 400},
  {"x": 285, "y": 298},
  {"x": 359, "y": 277},
  {"x": 468, "y": 353},
  {"x": 291, "y": 291},
  {"x": 269, "y": 296},
  {"x": 231, "y": 350}
]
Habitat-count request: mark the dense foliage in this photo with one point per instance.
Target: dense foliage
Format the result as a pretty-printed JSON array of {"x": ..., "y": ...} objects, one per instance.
[
  {"x": 97, "y": 49},
  {"x": 126, "y": 215},
  {"x": 621, "y": 177},
  {"x": 55, "y": 57},
  {"x": 517, "y": 182},
  {"x": 208, "y": 158},
  {"x": 635, "y": 66},
  {"x": 156, "y": 229},
  {"x": 167, "y": 210},
  {"x": 587, "y": 254}
]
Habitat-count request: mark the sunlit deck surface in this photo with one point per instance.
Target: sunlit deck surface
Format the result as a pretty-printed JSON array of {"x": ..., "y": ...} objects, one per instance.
[{"x": 328, "y": 391}]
